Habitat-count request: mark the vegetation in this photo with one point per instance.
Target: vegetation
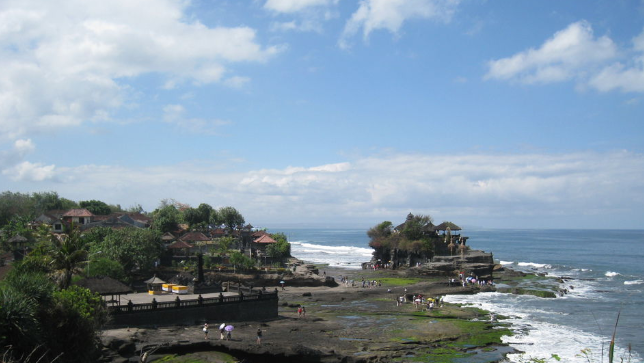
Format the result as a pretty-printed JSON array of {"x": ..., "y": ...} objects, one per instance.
[
  {"x": 43, "y": 317},
  {"x": 36, "y": 317},
  {"x": 415, "y": 237},
  {"x": 281, "y": 249},
  {"x": 242, "y": 261}
]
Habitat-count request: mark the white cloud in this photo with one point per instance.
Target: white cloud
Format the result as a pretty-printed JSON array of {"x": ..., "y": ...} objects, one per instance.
[
  {"x": 236, "y": 81},
  {"x": 67, "y": 62},
  {"x": 24, "y": 146},
  {"x": 30, "y": 172},
  {"x": 11, "y": 157},
  {"x": 627, "y": 78},
  {"x": 391, "y": 14},
  {"x": 568, "y": 54},
  {"x": 579, "y": 189},
  {"x": 310, "y": 14},
  {"x": 294, "y": 6},
  {"x": 175, "y": 114}
]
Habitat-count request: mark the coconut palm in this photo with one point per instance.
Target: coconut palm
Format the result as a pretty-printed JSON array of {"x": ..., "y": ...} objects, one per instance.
[{"x": 67, "y": 256}]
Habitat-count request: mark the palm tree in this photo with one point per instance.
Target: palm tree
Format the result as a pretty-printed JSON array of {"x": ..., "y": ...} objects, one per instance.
[{"x": 68, "y": 254}]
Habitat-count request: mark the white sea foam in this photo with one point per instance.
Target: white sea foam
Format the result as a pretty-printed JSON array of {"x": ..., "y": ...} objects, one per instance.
[
  {"x": 634, "y": 282},
  {"x": 612, "y": 274},
  {"x": 534, "y": 265},
  {"x": 506, "y": 262},
  {"x": 349, "y": 257},
  {"x": 538, "y": 338}
]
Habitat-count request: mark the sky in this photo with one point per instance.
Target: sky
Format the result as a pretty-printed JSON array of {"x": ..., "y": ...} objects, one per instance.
[{"x": 490, "y": 114}]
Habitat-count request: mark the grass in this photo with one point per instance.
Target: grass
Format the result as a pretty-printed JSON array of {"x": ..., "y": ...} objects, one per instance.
[{"x": 399, "y": 281}]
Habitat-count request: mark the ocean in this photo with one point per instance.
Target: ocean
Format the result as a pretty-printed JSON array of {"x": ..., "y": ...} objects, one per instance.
[{"x": 606, "y": 278}]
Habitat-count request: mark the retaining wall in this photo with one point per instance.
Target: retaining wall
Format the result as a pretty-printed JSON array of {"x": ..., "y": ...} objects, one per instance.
[{"x": 195, "y": 311}]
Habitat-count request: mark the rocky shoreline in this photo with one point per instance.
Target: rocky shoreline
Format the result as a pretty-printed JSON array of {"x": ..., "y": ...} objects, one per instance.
[{"x": 342, "y": 324}]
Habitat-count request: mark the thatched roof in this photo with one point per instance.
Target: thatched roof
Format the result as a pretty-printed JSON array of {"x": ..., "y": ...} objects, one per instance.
[
  {"x": 104, "y": 285},
  {"x": 154, "y": 281},
  {"x": 194, "y": 237},
  {"x": 168, "y": 237},
  {"x": 443, "y": 226},
  {"x": 180, "y": 244}
]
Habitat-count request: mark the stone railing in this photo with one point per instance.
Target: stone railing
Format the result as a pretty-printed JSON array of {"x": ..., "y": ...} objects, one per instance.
[{"x": 178, "y": 303}]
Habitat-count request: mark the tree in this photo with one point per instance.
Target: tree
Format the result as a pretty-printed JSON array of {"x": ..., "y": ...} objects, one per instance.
[
  {"x": 280, "y": 249},
  {"x": 134, "y": 248},
  {"x": 192, "y": 216},
  {"x": 80, "y": 314},
  {"x": 205, "y": 211},
  {"x": 136, "y": 208},
  {"x": 231, "y": 218},
  {"x": 166, "y": 219},
  {"x": 14, "y": 204},
  {"x": 380, "y": 233},
  {"x": 106, "y": 267},
  {"x": 415, "y": 227},
  {"x": 67, "y": 256},
  {"x": 241, "y": 260},
  {"x": 223, "y": 245},
  {"x": 47, "y": 201},
  {"x": 24, "y": 296},
  {"x": 96, "y": 207}
]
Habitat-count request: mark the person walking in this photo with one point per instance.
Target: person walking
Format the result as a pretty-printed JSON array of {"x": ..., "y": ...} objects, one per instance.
[
  {"x": 205, "y": 330},
  {"x": 259, "y": 336}
]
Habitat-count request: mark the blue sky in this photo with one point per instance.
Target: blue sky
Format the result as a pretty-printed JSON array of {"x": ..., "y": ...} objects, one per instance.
[{"x": 519, "y": 114}]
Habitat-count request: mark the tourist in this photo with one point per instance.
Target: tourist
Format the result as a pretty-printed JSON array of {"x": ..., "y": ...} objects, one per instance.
[
  {"x": 222, "y": 331},
  {"x": 259, "y": 336},
  {"x": 205, "y": 330},
  {"x": 299, "y": 311}
]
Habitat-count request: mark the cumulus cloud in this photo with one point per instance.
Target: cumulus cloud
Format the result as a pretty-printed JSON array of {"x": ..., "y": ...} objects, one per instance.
[
  {"x": 576, "y": 54},
  {"x": 624, "y": 77},
  {"x": 575, "y": 187},
  {"x": 391, "y": 14},
  {"x": 70, "y": 61},
  {"x": 30, "y": 172},
  {"x": 566, "y": 55}
]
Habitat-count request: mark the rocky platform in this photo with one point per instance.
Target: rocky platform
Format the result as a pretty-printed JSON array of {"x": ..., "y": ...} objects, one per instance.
[{"x": 341, "y": 324}]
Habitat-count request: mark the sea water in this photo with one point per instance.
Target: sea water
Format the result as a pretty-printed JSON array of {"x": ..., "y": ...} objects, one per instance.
[{"x": 606, "y": 278}]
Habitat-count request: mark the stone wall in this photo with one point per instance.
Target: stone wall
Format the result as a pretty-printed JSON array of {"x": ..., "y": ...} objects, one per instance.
[{"x": 263, "y": 308}]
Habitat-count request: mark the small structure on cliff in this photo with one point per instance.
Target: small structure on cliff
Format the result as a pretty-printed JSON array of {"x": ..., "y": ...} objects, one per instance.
[{"x": 433, "y": 250}]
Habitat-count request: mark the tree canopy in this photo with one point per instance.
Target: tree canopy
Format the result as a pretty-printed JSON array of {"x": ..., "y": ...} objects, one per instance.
[
  {"x": 96, "y": 207},
  {"x": 231, "y": 218},
  {"x": 415, "y": 236}
]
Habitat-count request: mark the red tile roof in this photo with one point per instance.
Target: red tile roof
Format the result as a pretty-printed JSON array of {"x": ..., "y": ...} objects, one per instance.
[{"x": 265, "y": 239}]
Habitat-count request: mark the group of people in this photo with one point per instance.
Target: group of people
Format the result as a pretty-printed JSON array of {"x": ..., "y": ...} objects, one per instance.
[
  {"x": 370, "y": 283},
  {"x": 227, "y": 333},
  {"x": 469, "y": 280},
  {"x": 420, "y": 300}
]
